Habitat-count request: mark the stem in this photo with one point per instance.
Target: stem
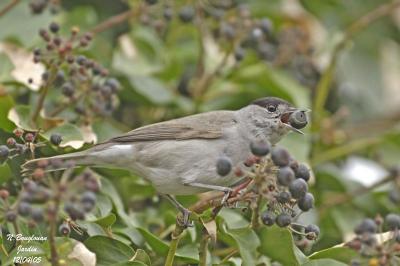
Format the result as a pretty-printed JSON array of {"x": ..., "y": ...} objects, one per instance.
[
  {"x": 173, "y": 245},
  {"x": 343, "y": 150},
  {"x": 114, "y": 20},
  {"x": 203, "y": 248},
  {"x": 43, "y": 94},
  {"x": 360, "y": 24},
  {"x": 53, "y": 250},
  {"x": 8, "y": 7},
  {"x": 230, "y": 255},
  {"x": 358, "y": 192}
]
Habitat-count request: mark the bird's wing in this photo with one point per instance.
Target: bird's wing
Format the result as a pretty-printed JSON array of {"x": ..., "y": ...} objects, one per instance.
[{"x": 201, "y": 126}]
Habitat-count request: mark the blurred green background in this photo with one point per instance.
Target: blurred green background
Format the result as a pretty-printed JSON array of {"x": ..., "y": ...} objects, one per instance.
[{"x": 354, "y": 140}]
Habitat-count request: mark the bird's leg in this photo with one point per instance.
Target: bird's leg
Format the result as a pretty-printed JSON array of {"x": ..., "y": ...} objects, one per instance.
[
  {"x": 227, "y": 190},
  {"x": 185, "y": 212}
]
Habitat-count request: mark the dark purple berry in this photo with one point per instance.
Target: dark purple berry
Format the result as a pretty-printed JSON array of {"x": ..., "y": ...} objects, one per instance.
[
  {"x": 266, "y": 25},
  {"x": 239, "y": 54},
  {"x": 37, "y": 214},
  {"x": 298, "y": 119},
  {"x": 280, "y": 157},
  {"x": 55, "y": 139},
  {"x": 186, "y": 14},
  {"x": 394, "y": 196},
  {"x": 81, "y": 60},
  {"x": 113, "y": 83},
  {"x": 67, "y": 89},
  {"x": 54, "y": 27},
  {"x": 302, "y": 171},
  {"x": 392, "y": 221},
  {"x": 224, "y": 166},
  {"x": 260, "y": 147},
  {"x": 306, "y": 203},
  {"x": 11, "y": 216},
  {"x": 168, "y": 13},
  {"x": 366, "y": 226},
  {"x": 151, "y": 2},
  {"x": 268, "y": 218},
  {"x": 312, "y": 232},
  {"x": 283, "y": 197},
  {"x": 89, "y": 197},
  {"x": 4, "y": 151},
  {"x": 64, "y": 229},
  {"x": 285, "y": 176},
  {"x": 298, "y": 188},
  {"x": 283, "y": 220},
  {"x": 24, "y": 208}
]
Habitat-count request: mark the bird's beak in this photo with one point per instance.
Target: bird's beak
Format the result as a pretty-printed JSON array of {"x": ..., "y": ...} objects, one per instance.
[{"x": 285, "y": 118}]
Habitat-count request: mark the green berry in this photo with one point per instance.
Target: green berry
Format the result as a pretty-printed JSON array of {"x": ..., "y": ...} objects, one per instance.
[
  {"x": 260, "y": 148},
  {"x": 285, "y": 176},
  {"x": 298, "y": 188},
  {"x": 298, "y": 119},
  {"x": 306, "y": 203},
  {"x": 268, "y": 218},
  {"x": 224, "y": 166},
  {"x": 280, "y": 157},
  {"x": 283, "y": 220}
]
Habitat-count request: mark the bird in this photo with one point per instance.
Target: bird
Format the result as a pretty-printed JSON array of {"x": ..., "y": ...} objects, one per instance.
[{"x": 178, "y": 156}]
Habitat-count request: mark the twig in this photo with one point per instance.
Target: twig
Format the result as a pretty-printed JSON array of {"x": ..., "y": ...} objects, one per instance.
[
  {"x": 113, "y": 21},
  {"x": 203, "y": 248},
  {"x": 8, "y": 7},
  {"x": 324, "y": 83},
  {"x": 343, "y": 150},
  {"x": 230, "y": 255},
  {"x": 202, "y": 32},
  {"x": 43, "y": 94},
  {"x": 358, "y": 192},
  {"x": 173, "y": 245}
]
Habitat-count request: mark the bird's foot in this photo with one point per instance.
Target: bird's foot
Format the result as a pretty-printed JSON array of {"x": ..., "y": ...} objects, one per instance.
[
  {"x": 184, "y": 219},
  {"x": 227, "y": 194}
]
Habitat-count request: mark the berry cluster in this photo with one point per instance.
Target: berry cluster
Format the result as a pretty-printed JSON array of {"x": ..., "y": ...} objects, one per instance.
[
  {"x": 282, "y": 183},
  {"x": 24, "y": 142},
  {"x": 38, "y": 6},
  {"x": 374, "y": 249},
  {"x": 48, "y": 199},
  {"x": 232, "y": 25},
  {"x": 83, "y": 82}
]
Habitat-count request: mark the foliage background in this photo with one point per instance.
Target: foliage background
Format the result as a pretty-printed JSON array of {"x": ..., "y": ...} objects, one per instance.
[{"x": 357, "y": 128}]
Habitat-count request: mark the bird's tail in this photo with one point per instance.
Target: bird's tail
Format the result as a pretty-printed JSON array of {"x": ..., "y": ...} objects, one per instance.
[{"x": 56, "y": 163}]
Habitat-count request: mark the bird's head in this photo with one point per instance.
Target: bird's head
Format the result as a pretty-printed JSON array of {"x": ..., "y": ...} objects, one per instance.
[{"x": 283, "y": 117}]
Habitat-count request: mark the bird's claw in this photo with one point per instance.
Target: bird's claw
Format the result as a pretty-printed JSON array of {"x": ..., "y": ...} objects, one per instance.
[
  {"x": 185, "y": 219},
  {"x": 224, "y": 201}
]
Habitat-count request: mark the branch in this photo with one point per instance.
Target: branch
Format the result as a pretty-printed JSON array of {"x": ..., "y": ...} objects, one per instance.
[
  {"x": 356, "y": 193},
  {"x": 114, "y": 20},
  {"x": 203, "y": 248},
  {"x": 324, "y": 84},
  {"x": 8, "y": 7}
]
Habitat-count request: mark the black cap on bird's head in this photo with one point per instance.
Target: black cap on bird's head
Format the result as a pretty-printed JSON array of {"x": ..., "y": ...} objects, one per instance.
[{"x": 279, "y": 109}]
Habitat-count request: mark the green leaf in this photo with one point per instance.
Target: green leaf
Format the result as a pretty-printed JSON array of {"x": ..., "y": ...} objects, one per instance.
[
  {"x": 71, "y": 135},
  {"x": 141, "y": 256},
  {"x": 247, "y": 242},
  {"x": 277, "y": 244},
  {"x": 152, "y": 89},
  {"x": 109, "y": 251},
  {"x": 342, "y": 254},
  {"x": 324, "y": 262},
  {"x": 106, "y": 221},
  {"x": 6, "y": 66},
  {"x": 6, "y": 103},
  {"x": 130, "y": 263},
  {"x": 159, "y": 246},
  {"x": 20, "y": 116}
]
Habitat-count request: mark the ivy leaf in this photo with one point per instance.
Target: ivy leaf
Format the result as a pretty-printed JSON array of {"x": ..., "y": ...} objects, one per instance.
[
  {"x": 109, "y": 251},
  {"x": 247, "y": 242},
  {"x": 342, "y": 254},
  {"x": 277, "y": 244},
  {"x": 324, "y": 262}
]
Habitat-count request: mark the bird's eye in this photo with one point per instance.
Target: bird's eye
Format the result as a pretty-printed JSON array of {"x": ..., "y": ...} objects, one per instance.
[{"x": 271, "y": 108}]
